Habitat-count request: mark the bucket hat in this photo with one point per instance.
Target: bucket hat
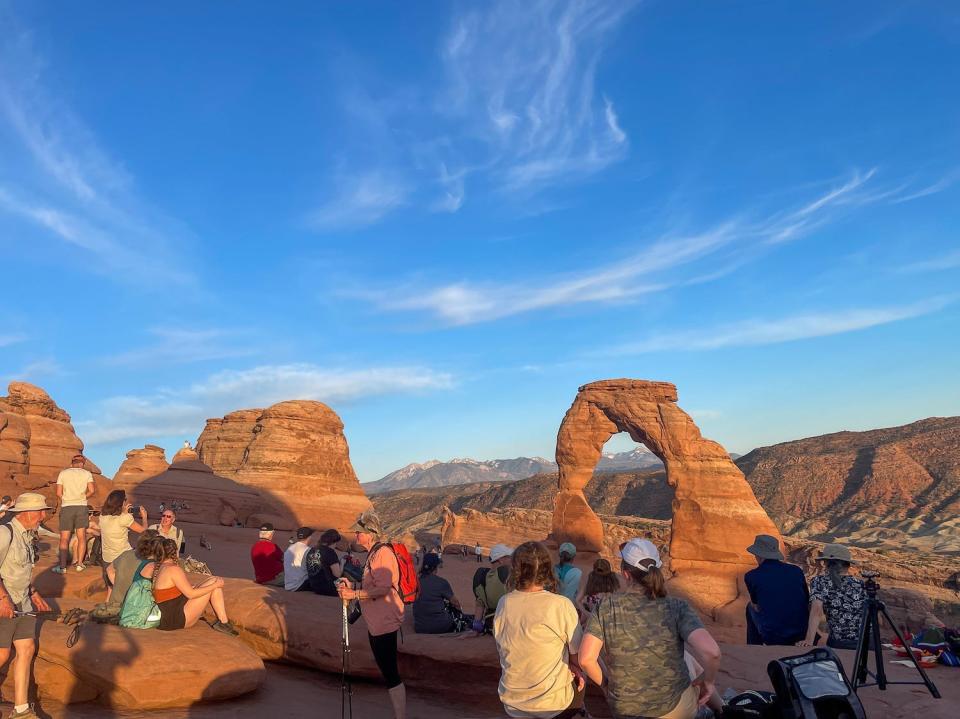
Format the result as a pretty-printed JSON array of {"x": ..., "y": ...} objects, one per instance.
[
  {"x": 835, "y": 551},
  {"x": 29, "y": 502},
  {"x": 765, "y": 547},
  {"x": 368, "y": 523}
]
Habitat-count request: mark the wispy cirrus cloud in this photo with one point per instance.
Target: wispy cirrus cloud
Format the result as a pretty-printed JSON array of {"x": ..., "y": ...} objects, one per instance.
[
  {"x": 11, "y": 339},
  {"x": 167, "y": 413},
  {"x": 949, "y": 261},
  {"x": 183, "y": 345},
  {"x": 791, "y": 328},
  {"x": 58, "y": 180},
  {"x": 360, "y": 200},
  {"x": 665, "y": 262}
]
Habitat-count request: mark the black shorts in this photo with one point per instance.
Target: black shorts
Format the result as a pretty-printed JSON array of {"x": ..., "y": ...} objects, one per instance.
[
  {"x": 171, "y": 614},
  {"x": 384, "y": 648}
]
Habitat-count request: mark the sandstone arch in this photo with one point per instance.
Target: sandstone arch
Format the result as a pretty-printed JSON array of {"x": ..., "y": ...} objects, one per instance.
[{"x": 715, "y": 513}]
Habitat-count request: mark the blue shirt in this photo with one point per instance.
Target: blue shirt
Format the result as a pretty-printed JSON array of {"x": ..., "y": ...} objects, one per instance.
[{"x": 780, "y": 591}]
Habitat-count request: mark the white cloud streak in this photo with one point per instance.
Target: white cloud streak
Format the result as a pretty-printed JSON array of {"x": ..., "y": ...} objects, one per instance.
[
  {"x": 180, "y": 345},
  {"x": 949, "y": 261},
  {"x": 667, "y": 262},
  {"x": 362, "y": 200},
  {"x": 183, "y": 412},
  {"x": 11, "y": 339},
  {"x": 786, "y": 329},
  {"x": 57, "y": 179}
]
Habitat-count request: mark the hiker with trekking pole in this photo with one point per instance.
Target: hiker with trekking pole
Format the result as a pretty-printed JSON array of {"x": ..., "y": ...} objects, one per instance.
[{"x": 389, "y": 582}]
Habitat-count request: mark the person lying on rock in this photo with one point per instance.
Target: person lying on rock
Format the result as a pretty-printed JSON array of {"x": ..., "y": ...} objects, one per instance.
[
  {"x": 381, "y": 604},
  {"x": 437, "y": 609},
  {"x": 19, "y": 601},
  {"x": 838, "y": 596},
  {"x": 489, "y": 585},
  {"x": 538, "y": 636},
  {"x": 181, "y": 603},
  {"x": 640, "y": 633},
  {"x": 267, "y": 558},
  {"x": 323, "y": 565},
  {"x": 777, "y": 611}
]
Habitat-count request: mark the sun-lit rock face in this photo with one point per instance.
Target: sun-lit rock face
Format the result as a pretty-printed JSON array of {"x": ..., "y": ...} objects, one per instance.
[
  {"x": 295, "y": 453},
  {"x": 139, "y": 465},
  {"x": 36, "y": 442},
  {"x": 715, "y": 513}
]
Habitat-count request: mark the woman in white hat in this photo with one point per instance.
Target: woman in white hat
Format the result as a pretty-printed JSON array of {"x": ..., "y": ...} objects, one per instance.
[
  {"x": 641, "y": 633},
  {"x": 839, "y": 597}
]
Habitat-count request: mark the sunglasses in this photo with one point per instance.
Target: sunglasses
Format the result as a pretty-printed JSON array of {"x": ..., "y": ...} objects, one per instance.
[{"x": 167, "y": 516}]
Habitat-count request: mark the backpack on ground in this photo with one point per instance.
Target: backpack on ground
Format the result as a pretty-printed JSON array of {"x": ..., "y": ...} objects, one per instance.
[
  {"x": 490, "y": 591},
  {"x": 96, "y": 553},
  {"x": 409, "y": 585},
  {"x": 751, "y": 704},
  {"x": 104, "y": 613},
  {"x": 812, "y": 686},
  {"x": 139, "y": 610}
]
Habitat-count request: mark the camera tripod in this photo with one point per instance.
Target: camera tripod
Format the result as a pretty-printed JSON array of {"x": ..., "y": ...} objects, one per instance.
[{"x": 869, "y": 639}]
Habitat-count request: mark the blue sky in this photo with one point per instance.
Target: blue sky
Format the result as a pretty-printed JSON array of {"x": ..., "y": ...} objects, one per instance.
[{"x": 443, "y": 218}]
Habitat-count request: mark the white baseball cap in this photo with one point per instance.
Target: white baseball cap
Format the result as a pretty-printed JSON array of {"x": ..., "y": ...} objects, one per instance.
[
  {"x": 499, "y": 551},
  {"x": 637, "y": 551}
]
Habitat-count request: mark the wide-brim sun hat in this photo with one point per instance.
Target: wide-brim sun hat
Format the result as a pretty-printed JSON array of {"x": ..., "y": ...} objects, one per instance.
[
  {"x": 499, "y": 551},
  {"x": 835, "y": 551},
  {"x": 30, "y": 502},
  {"x": 765, "y": 547},
  {"x": 368, "y": 523},
  {"x": 641, "y": 553}
]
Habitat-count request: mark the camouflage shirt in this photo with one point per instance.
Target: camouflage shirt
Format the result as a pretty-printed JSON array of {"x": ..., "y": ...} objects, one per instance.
[{"x": 643, "y": 651}]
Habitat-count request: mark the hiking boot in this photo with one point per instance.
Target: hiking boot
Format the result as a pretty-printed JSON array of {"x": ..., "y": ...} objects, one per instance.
[
  {"x": 80, "y": 567},
  {"x": 224, "y": 628},
  {"x": 27, "y": 713},
  {"x": 57, "y": 570}
]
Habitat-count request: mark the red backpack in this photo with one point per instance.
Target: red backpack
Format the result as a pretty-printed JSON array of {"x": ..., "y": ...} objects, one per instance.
[{"x": 409, "y": 585}]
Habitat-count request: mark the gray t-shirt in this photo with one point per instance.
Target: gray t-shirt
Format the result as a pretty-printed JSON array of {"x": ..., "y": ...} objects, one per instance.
[{"x": 643, "y": 651}]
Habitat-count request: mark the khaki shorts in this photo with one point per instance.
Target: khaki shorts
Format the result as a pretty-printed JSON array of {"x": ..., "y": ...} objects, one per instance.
[
  {"x": 687, "y": 707},
  {"x": 72, "y": 518},
  {"x": 12, "y": 630}
]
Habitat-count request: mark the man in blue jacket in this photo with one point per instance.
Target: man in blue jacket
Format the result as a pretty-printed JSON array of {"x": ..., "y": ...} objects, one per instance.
[{"x": 779, "y": 599}]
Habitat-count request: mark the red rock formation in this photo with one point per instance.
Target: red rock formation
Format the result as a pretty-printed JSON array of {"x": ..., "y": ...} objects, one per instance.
[
  {"x": 139, "y": 465},
  {"x": 36, "y": 442},
  {"x": 715, "y": 513},
  {"x": 296, "y": 455}
]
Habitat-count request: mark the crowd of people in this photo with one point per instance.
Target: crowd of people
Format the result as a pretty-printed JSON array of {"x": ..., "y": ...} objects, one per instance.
[{"x": 649, "y": 652}]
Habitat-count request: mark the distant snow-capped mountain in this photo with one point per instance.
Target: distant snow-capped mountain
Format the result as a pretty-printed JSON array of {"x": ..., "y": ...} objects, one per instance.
[{"x": 463, "y": 471}]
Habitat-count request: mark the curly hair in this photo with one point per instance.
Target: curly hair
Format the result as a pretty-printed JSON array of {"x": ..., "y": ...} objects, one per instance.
[{"x": 531, "y": 566}]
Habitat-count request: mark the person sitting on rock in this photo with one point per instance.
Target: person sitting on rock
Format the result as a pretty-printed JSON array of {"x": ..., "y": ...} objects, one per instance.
[
  {"x": 168, "y": 530},
  {"x": 437, "y": 609},
  {"x": 295, "y": 577},
  {"x": 121, "y": 572},
  {"x": 267, "y": 558},
  {"x": 568, "y": 576},
  {"x": 600, "y": 582},
  {"x": 181, "y": 603},
  {"x": 839, "y": 596},
  {"x": 489, "y": 585},
  {"x": 116, "y": 522},
  {"x": 538, "y": 636},
  {"x": 74, "y": 486},
  {"x": 323, "y": 565},
  {"x": 777, "y": 611},
  {"x": 380, "y": 603},
  {"x": 641, "y": 633}
]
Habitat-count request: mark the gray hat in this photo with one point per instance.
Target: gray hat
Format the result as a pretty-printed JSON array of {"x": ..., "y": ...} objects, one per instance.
[
  {"x": 368, "y": 522},
  {"x": 835, "y": 551},
  {"x": 765, "y": 547}
]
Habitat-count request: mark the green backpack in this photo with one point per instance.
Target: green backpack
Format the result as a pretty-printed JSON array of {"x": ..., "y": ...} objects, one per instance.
[
  {"x": 139, "y": 610},
  {"x": 490, "y": 591}
]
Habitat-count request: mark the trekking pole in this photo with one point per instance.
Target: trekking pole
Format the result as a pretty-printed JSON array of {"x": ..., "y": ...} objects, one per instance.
[{"x": 346, "y": 688}]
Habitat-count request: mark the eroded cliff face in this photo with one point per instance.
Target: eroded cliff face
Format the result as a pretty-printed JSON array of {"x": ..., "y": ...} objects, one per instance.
[
  {"x": 37, "y": 440},
  {"x": 296, "y": 455}
]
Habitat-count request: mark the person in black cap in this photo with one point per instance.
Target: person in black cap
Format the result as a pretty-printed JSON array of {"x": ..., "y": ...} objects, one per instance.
[
  {"x": 437, "y": 609},
  {"x": 296, "y": 578},
  {"x": 777, "y": 612},
  {"x": 267, "y": 558}
]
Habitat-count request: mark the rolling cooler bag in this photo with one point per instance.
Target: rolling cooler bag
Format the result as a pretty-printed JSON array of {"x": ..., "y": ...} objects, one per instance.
[{"x": 813, "y": 686}]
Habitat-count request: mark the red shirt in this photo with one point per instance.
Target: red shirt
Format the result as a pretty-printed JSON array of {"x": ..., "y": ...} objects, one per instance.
[{"x": 267, "y": 560}]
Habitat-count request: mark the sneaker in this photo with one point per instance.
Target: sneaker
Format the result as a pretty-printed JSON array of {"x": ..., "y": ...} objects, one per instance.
[
  {"x": 224, "y": 628},
  {"x": 27, "y": 713},
  {"x": 80, "y": 567},
  {"x": 57, "y": 570}
]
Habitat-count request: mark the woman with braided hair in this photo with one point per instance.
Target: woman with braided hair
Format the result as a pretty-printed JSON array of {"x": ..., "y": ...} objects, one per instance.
[
  {"x": 181, "y": 603},
  {"x": 538, "y": 635}
]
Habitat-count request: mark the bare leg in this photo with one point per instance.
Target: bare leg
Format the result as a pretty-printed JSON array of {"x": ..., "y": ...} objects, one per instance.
[
  {"x": 398, "y": 698},
  {"x": 81, "y": 553},
  {"x": 214, "y": 600},
  {"x": 21, "y": 669},
  {"x": 64, "y": 548},
  {"x": 4, "y": 656},
  {"x": 194, "y": 609}
]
